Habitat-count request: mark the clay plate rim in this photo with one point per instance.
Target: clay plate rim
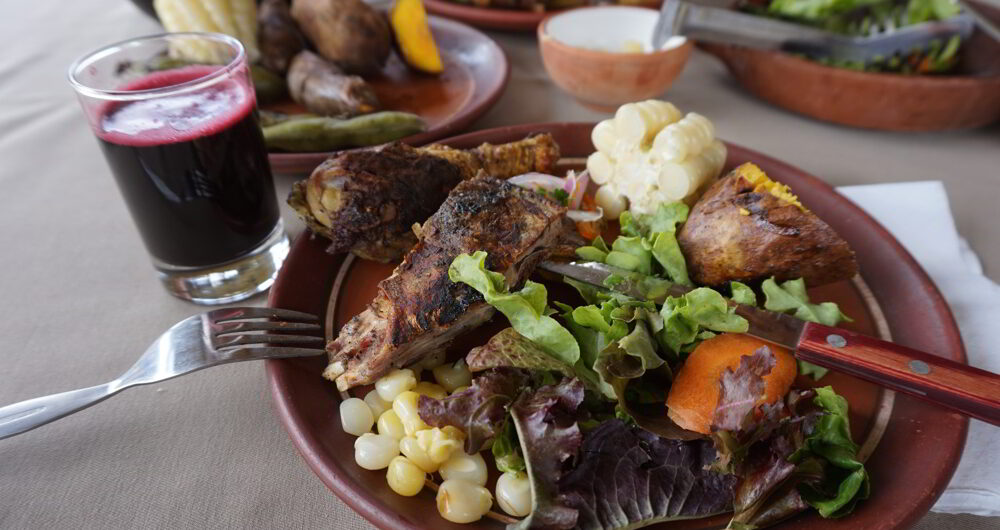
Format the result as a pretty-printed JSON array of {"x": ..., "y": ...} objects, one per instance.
[
  {"x": 487, "y": 89},
  {"x": 503, "y": 19},
  {"x": 945, "y": 430}
]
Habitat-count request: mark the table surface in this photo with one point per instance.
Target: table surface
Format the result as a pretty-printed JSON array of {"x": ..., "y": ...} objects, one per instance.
[{"x": 207, "y": 451}]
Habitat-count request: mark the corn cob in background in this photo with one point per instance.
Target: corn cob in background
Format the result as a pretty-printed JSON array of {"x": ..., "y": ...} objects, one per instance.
[
  {"x": 651, "y": 153},
  {"x": 237, "y": 18}
]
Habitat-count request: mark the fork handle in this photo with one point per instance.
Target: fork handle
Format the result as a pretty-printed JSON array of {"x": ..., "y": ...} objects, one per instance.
[{"x": 26, "y": 415}]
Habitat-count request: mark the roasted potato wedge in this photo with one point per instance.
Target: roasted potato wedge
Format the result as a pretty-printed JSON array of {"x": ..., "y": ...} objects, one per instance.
[{"x": 747, "y": 227}]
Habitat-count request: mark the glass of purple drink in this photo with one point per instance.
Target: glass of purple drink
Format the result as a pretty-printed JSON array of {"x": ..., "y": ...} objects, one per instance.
[{"x": 176, "y": 118}]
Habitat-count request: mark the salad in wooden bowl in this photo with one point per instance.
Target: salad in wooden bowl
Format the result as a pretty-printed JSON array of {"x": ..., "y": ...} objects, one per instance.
[{"x": 953, "y": 84}]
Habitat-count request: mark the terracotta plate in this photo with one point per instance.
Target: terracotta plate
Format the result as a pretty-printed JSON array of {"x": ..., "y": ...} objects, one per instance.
[
  {"x": 475, "y": 74},
  {"x": 502, "y": 19},
  {"x": 969, "y": 98},
  {"x": 916, "y": 446}
]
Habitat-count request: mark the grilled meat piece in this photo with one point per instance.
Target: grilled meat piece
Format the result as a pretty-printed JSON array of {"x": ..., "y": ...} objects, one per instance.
[
  {"x": 418, "y": 309},
  {"x": 535, "y": 153},
  {"x": 366, "y": 200}
]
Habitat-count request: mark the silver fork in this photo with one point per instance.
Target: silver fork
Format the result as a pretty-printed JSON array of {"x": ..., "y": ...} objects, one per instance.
[{"x": 209, "y": 339}]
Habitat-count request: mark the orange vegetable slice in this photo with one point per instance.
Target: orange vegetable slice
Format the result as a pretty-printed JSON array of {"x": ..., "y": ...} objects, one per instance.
[
  {"x": 695, "y": 392},
  {"x": 409, "y": 23}
]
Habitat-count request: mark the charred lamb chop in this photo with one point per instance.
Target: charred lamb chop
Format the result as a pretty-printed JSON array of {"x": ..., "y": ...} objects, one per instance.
[
  {"x": 367, "y": 200},
  {"x": 418, "y": 309}
]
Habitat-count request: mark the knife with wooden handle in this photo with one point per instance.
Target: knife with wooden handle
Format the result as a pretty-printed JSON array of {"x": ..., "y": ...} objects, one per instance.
[{"x": 970, "y": 391}]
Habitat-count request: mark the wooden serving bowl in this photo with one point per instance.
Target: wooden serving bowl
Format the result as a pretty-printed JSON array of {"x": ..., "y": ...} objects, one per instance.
[{"x": 890, "y": 102}]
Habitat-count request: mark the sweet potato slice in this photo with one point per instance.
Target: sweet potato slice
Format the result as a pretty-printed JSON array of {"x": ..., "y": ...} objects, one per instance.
[{"x": 747, "y": 227}]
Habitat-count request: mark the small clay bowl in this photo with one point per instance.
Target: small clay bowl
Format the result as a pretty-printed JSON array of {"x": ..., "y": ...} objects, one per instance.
[
  {"x": 892, "y": 102},
  {"x": 583, "y": 52}
]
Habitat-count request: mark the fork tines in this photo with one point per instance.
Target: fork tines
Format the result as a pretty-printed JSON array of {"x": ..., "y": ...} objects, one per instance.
[{"x": 244, "y": 327}]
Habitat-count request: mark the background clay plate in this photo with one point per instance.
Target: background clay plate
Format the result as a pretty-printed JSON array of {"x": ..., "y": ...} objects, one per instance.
[
  {"x": 911, "y": 466},
  {"x": 475, "y": 75},
  {"x": 891, "y": 102},
  {"x": 502, "y": 19}
]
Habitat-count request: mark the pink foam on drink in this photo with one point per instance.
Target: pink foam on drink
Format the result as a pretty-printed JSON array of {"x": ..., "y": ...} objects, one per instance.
[{"x": 179, "y": 117}]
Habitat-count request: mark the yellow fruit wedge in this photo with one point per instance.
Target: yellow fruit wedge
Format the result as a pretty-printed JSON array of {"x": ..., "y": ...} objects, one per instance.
[{"x": 409, "y": 24}]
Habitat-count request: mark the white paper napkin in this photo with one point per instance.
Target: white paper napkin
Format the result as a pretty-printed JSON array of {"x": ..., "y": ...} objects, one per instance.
[{"x": 917, "y": 213}]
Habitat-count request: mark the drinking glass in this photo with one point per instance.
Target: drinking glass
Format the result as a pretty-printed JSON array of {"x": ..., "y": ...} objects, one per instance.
[{"x": 176, "y": 118}]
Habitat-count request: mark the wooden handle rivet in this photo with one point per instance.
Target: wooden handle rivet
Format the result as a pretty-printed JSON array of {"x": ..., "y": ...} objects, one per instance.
[
  {"x": 836, "y": 340},
  {"x": 919, "y": 367}
]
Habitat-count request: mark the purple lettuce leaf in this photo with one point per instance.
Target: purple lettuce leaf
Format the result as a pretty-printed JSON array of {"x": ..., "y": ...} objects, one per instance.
[
  {"x": 740, "y": 389},
  {"x": 629, "y": 477},
  {"x": 480, "y": 410},
  {"x": 789, "y": 455},
  {"x": 546, "y": 422}
]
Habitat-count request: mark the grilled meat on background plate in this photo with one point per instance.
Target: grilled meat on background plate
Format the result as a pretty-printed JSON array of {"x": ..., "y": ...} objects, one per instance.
[
  {"x": 419, "y": 309},
  {"x": 366, "y": 200}
]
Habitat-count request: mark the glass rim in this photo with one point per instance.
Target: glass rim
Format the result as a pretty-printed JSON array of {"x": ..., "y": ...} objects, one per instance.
[{"x": 128, "y": 95}]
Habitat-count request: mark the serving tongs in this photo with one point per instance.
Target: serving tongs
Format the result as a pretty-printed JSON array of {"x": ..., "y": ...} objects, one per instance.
[
  {"x": 964, "y": 389},
  {"x": 726, "y": 26}
]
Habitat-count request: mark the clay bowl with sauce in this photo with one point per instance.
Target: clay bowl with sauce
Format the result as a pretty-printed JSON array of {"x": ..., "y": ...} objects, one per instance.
[
  {"x": 602, "y": 56},
  {"x": 967, "y": 98}
]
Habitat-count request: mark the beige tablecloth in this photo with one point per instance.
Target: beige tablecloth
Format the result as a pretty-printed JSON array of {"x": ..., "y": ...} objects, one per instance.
[{"x": 80, "y": 301}]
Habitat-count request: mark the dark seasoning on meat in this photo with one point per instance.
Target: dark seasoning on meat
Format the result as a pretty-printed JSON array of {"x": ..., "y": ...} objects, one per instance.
[{"x": 418, "y": 308}]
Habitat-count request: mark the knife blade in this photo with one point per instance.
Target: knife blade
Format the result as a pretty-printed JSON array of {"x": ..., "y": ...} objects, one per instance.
[{"x": 962, "y": 388}]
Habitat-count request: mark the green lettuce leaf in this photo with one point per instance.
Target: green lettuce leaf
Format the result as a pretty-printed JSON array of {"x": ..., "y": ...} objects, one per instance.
[
  {"x": 525, "y": 309},
  {"x": 791, "y": 297},
  {"x": 507, "y": 449},
  {"x": 684, "y": 317},
  {"x": 657, "y": 231},
  {"x": 743, "y": 294},
  {"x": 508, "y": 348},
  {"x": 645, "y": 238},
  {"x": 846, "y": 480}
]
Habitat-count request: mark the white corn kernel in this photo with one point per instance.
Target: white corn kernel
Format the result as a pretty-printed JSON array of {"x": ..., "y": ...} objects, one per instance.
[
  {"x": 390, "y": 425},
  {"x": 514, "y": 494},
  {"x": 395, "y": 382},
  {"x": 637, "y": 123},
  {"x": 408, "y": 446},
  {"x": 463, "y": 502},
  {"x": 405, "y": 406},
  {"x": 375, "y": 451},
  {"x": 603, "y": 136},
  {"x": 404, "y": 477},
  {"x": 376, "y": 403},
  {"x": 461, "y": 465},
  {"x": 452, "y": 376},
  {"x": 610, "y": 201},
  {"x": 684, "y": 139},
  {"x": 426, "y": 388},
  {"x": 355, "y": 416},
  {"x": 601, "y": 167},
  {"x": 439, "y": 443}
]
